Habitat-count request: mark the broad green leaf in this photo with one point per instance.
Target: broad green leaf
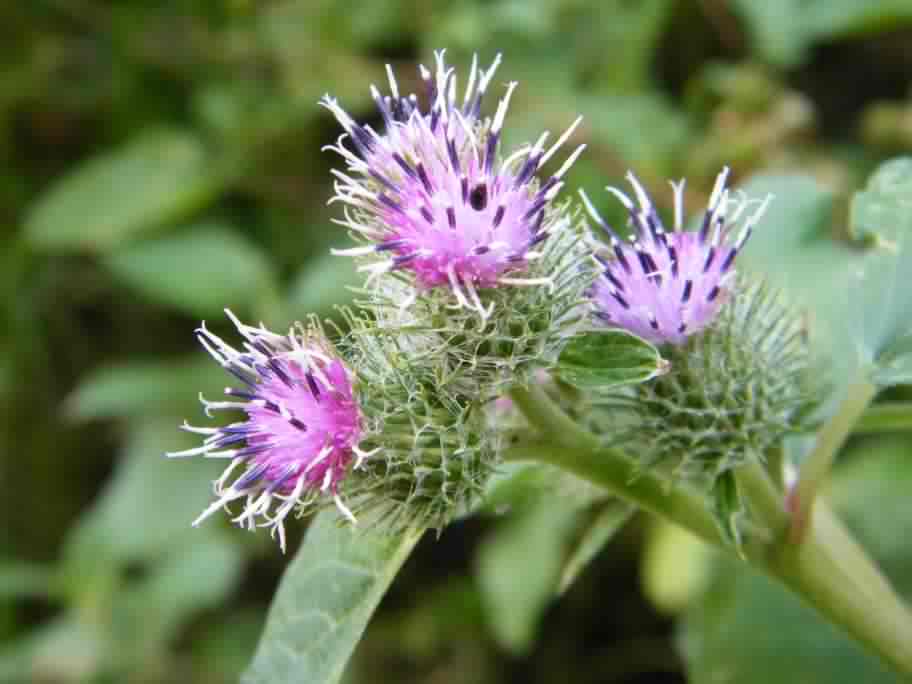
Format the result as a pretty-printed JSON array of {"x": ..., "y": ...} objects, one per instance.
[
  {"x": 197, "y": 577},
  {"x": 168, "y": 388},
  {"x": 148, "y": 504},
  {"x": 322, "y": 284},
  {"x": 878, "y": 293},
  {"x": 19, "y": 579},
  {"x": 324, "y": 602},
  {"x": 745, "y": 618},
  {"x": 675, "y": 567},
  {"x": 519, "y": 567},
  {"x": 201, "y": 271},
  {"x": 154, "y": 179},
  {"x": 608, "y": 358},
  {"x": 784, "y": 30},
  {"x": 608, "y": 519},
  {"x": 63, "y": 650}
]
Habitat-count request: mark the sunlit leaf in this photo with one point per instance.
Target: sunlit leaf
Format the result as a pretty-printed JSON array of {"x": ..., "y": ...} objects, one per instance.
[{"x": 323, "y": 604}]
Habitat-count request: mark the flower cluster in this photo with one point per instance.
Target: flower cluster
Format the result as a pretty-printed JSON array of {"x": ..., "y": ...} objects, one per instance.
[
  {"x": 477, "y": 278},
  {"x": 665, "y": 286},
  {"x": 432, "y": 194}
]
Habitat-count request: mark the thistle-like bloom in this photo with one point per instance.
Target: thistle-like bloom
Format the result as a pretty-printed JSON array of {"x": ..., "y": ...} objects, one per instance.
[
  {"x": 666, "y": 286},
  {"x": 303, "y": 425},
  {"x": 433, "y": 193}
]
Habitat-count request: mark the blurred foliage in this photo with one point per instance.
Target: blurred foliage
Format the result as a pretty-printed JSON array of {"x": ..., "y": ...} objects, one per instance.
[{"x": 162, "y": 161}]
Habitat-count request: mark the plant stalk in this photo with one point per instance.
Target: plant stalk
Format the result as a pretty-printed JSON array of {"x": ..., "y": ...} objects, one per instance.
[
  {"x": 814, "y": 471},
  {"x": 830, "y": 571}
]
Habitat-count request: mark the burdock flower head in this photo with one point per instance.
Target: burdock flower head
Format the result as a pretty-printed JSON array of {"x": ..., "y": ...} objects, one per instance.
[
  {"x": 666, "y": 286},
  {"x": 434, "y": 197},
  {"x": 301, "y": 432}
]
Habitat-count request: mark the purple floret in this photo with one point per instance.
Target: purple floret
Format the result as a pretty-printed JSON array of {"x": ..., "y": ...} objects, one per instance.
[
  {"x": 432, "y": 193},
  {"x": 666, "y": 286}
]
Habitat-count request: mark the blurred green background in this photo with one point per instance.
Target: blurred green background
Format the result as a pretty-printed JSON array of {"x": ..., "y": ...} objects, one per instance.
[{"x": 162, "y": 160}]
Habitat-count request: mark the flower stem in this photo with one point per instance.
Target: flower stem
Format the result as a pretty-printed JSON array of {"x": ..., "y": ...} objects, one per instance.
[
  {"x": 894, "y": 416},
  {"x": 573, "y": 448},
  {"x": 816, "y": 468},
  {"x": 829, "y": 570}
]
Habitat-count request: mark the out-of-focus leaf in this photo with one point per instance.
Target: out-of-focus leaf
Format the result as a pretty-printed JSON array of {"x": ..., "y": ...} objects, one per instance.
[
  {"x": 519, "y": 567},
  {"x": 745, "y": 619},
  {"x": 201, "y": 271},
  {"x": 608, "y": 358},
  {"x": 145, "y": 388},
  {"x": 322, "y": 284},
  {"x": 154, "y": 179},
  {"x": 878, "y": 295},
  {"x": 147, "y": 506},
  {"x": 225, "y": 648},
  {"x": 784, "y": 30},
  {"x": 64, "y": 650},
  {"x": 871, "y": 493},
  {"x": 19, "y": 579},
  {"x": 610, "y": 517},
  {"x": 324, "y": 602},
  {"x": 675, "y": 567},
  {"x": 793, "y": 249},
  {"x": 196, "y": 578}
]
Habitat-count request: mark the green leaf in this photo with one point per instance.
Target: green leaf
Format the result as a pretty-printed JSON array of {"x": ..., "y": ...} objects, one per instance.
[
  {"x": 784, "y": 30},
  {"x": 745, "y": 618},
  {"x": 530, "y": 545},
  {"x": 608, "y": 358},
  {"x": 609, "y": 518},
  {"x": 322, "y": 284},
  {"x": 147, "y": 506},
  {"x": 324, "y": 602},
  {"x": 203, "y": 270},
  {"x": 195, "y": 578},
  {"x": 675, "y": 567},
  {"x": 154, "y": 179},
  {"x": 168, "y": 388},
  {"x": 878, "y": 296},
  {"x": 19, "y": 579}
]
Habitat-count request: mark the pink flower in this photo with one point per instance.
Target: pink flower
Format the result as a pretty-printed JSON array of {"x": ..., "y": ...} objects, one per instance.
[
  {"x": 664, "y": 286},
  {"x": 301, "y": 431},
  {"x": 433, "y": 194}
]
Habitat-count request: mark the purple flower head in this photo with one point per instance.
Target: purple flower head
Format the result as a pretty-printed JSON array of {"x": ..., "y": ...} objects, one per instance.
[
  {"x": 432, "y": 193},
  {"x": 301, "y": 433},
  {"x": 666, "y": 286}
]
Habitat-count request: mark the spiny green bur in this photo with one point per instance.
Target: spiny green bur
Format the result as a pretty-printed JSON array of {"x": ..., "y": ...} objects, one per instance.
[{"x": 733, "y": 391}]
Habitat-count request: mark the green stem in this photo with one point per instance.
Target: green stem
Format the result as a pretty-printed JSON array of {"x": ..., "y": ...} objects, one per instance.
[
  {"x": 829, "y": 570},
  {"x": 833, "y": 573},
  {"x": 816, "y": 468},
  {"x": 894, "y": 416},
  {"x": 575, "y": 449}
]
